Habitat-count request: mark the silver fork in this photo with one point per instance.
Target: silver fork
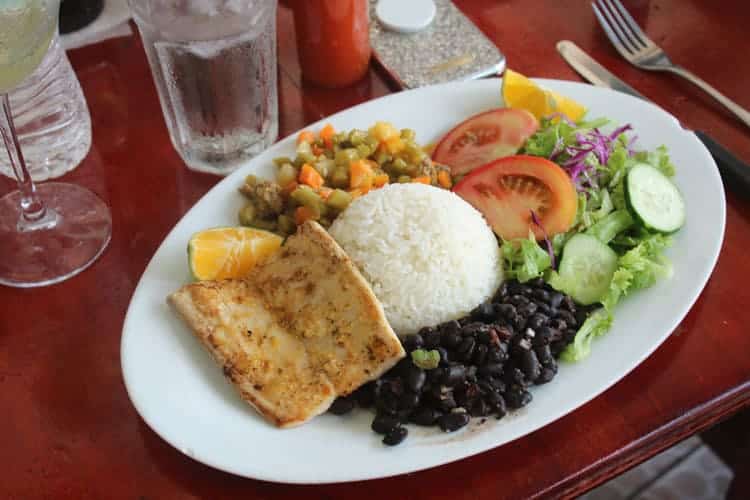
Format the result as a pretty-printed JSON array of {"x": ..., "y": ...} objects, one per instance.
[{"x": 639, "y": 50}]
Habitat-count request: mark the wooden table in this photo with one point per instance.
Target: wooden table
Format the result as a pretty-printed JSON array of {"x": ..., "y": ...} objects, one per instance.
[{"x": 68, "y": 429}]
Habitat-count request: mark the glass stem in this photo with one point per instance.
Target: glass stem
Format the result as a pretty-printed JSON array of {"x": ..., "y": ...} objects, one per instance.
[{"x": 32, "y": 208}]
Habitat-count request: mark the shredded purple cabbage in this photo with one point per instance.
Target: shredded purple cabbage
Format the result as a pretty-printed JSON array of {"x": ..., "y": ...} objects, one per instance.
[
  {"x": 593, "y": 142},
  {"x": 547, "y": 242}
]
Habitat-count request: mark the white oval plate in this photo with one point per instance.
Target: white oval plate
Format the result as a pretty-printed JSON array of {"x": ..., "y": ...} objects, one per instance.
[{"x": 183, "y": 397}]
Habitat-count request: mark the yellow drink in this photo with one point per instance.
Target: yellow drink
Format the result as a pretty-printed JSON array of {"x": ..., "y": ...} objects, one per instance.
[{"x": 26, "y": 29}]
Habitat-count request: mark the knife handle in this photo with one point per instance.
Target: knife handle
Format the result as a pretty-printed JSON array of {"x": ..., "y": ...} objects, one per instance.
[{"x": 734, "y": 172}]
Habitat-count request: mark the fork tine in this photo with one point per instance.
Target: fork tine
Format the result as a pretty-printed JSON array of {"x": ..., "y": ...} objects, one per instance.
[
  {"x": 619, "y": 26},
  {"x": 638, "y": 33},
  {"x": 621, "y": 44}
]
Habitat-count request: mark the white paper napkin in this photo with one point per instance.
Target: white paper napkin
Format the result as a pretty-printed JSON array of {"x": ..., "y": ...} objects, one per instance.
[{"x": 111, "y": 23}]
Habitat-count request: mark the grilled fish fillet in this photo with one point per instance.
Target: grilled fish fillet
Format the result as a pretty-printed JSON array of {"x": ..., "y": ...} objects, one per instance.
[{"x": 302, "y": 329}]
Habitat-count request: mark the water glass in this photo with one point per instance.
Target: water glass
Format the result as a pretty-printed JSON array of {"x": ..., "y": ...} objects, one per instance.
[{"x": 214, "y": 66}]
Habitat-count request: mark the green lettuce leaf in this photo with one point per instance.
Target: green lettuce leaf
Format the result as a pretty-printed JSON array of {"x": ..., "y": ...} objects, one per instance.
[
  {"x": 595, "y": 325},
  {"x": 524, "y": 259}
]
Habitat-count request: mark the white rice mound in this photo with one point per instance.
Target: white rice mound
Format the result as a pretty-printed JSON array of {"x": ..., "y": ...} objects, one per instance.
[{"x": 429, "y": 256}]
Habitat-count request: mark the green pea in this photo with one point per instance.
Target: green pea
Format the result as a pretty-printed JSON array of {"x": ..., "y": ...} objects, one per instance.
[
  {"x": 339, "y": 200},
  {"x": 247, "y": 214}
]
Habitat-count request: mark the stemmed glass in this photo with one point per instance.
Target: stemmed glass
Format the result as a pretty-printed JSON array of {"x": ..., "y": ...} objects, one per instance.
[{"x": 53, "y": 231}]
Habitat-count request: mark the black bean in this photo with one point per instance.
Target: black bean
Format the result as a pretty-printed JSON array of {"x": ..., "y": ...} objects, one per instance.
[
  {"x": 504, "y": 333},
  {"x": 515, "y": 288},
  {"x": 552, "y": 365},
  {"x": 471, "y": 373},
  {"x": 497, "y": 354},
  {"x": 515, "y": 376},
  {"x": 401, "y": 368},
  {"x": 466, "y": 393},
  {"x": 431, "y": 338},
  {"x": 415, "y": 378},
  {"x": 395, "y": 436},
  {"x": 568, "y": 317},
  {"x": 543, "y": 336},
  {"x": 365, "y": 395},
  {"x": 500, "y": 409},
  {"x": 444, "y": 356},
  {"x": 494, "y": 400},
  {"x": 449, "y": 326},
  {"x": 453, "y": 421},
  {"x": 450, "y": 338},
  {"x": 527, "y": 310},
  {"x": 557, "y": 347},
  {"x": 545, "y": 376},
  {"x": 555, "y": 300},
  {"x": 506, "y": 311},
  {"x": 544, "y": 354},
  {"x": 342, "y": 406},
  {"x": 479, "y": 409},
  {"x": 497, "y": 384},
  {"x": 521, "y": 343},
  {"x": 480, "y": 354},
  {"x": 530, "y": 365},
  {"x": 490, "y": 369},
  {"x": 518, "y": 300},
  {"x": 483, "y": 312},
  {"x": 408, "y": 401},
  {"x": 466, "y": 348},
  {"x": 545, "y": 309},
  {"x": 447, "y": 403},
  {"x": 435, "y": 378},
  {"x": 558, "y": 324},
  {"x": 454, "y": 375},
  {"x": 549, "y": 333},
  {"x": 536, "y": 282},
  {"x": 541, "y": 294},
  {"x": 425, "y": 416},
  {"x": 412, "y": 342},
  {"x": 517, "y": 397},
  {"x": 383, "y": 424},
  {"x": 536, "y": 321},
  {"x": 473, "y": 328}
]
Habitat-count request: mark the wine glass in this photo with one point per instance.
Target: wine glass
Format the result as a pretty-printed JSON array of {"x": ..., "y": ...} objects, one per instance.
[{"x": 53, "y": 231}]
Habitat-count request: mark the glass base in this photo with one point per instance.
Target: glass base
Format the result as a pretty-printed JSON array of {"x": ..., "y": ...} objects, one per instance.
[{"x": 54, "y": 251}]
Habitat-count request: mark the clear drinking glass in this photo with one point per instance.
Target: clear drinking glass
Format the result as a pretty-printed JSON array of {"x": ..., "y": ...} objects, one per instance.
[
  {"x": 214, "y": 65},
  {"x": 52, "y": 231}
]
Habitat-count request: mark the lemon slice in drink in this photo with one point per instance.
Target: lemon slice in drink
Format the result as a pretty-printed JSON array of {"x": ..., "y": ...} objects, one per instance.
[
  {"x": 229, "y": 252},
  {"x": 520, "y": 92}
]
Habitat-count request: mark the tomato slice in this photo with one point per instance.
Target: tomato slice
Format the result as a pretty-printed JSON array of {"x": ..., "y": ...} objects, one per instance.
[
  {"x": 485, "y": 137},
  {"x": 507, "y": 190}
]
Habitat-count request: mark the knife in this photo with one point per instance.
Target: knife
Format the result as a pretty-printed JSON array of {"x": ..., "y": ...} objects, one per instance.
[{"x": 736, "y": 174}]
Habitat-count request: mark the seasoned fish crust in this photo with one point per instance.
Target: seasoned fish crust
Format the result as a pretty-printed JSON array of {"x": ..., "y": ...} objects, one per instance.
[{"x": 302, "y": 329}]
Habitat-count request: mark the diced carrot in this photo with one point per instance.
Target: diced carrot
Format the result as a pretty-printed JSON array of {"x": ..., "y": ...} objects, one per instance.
[
  {"x": 324, "y": 192},
  {"x": 317, "y": 150},
  {"x": 303, "y": 214},
  {"x": 380, "y": 180},
  {"x": 444, "y": 179},
  {"x": 422, "y": 179},
  {"x": 326, "y": 133},
  {"x": 287, "y": 190},
  {"x": 308, "y": 175},
  {"x": 360, "y": 175},
  {"x": 305, "y": 136}
]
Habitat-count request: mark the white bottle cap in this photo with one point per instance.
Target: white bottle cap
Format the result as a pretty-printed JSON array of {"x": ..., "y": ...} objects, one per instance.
[{"x": 405, "y": 16}]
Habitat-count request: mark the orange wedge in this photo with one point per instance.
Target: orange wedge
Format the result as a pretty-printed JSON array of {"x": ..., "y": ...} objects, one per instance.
[
  {"x": 520, "y": 92},
  {"x": 229, "y": 252}
]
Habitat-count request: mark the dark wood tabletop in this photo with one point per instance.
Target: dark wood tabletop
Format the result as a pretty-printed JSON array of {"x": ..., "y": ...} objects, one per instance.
[{"x": 68, "y": 429}]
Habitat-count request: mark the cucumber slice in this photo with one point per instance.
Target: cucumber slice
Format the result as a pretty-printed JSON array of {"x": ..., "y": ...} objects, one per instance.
[
  {"x": 586, "y": 268},
  {"x": 653, "y": 199}
]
